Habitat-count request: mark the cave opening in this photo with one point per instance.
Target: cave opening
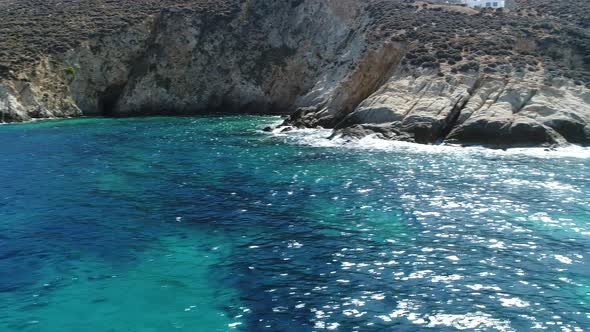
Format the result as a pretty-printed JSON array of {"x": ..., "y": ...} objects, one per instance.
[{"x": 107, "y": 101}]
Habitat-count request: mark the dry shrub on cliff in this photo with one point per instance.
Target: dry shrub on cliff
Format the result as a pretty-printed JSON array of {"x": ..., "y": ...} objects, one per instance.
[
  {"x": 536, "y": 32},
  {"x": 555, "y": 33},
  {"x": 29, "y": 28}
]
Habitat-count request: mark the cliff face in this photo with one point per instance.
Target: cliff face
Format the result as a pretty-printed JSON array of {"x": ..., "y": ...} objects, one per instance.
[
  {"x": 182, "y": 63},
  {"x": 260, "y": 58},
  {"x": 471, "y": 108},
  {"x": 486, "y": 80},
  {"x": 361, "y": 67}
]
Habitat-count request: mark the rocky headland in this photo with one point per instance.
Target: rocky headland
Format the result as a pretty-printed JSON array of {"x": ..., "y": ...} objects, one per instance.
[{"x": 419, "y": 72}]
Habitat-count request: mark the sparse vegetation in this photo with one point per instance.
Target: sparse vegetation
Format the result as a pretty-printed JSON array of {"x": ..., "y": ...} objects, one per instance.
[
  {"x": 30, "y": 28},
  {"x": 555, "y": 34},
  {"x": 70, "y": 71},
  {"x": 536, "y": 35}
]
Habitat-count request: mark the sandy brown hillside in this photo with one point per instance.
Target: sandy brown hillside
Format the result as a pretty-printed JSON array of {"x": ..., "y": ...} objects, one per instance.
[
  {"x": 29, "y": 28},
  {"x": 535, "y": 29}
]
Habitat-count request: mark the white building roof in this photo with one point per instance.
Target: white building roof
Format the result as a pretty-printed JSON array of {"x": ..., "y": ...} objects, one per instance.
[{"x": 486, "y": 3}]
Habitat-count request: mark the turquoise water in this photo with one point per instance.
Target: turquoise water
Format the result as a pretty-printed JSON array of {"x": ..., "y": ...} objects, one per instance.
[{"x": 209, "y": 224}]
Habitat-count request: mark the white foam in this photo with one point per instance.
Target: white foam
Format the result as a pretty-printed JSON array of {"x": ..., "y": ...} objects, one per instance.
[{"x": 320, "y": 138}]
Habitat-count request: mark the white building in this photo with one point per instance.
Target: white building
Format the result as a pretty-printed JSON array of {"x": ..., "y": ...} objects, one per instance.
[{"x": 485, "y": 3}]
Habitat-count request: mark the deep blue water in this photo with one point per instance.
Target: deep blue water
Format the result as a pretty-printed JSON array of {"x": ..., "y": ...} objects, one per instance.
[{"x": 208, "y": 224}]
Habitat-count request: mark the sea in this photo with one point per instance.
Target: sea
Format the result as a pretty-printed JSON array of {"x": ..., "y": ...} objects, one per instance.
[{"x": 211, "y": 224}]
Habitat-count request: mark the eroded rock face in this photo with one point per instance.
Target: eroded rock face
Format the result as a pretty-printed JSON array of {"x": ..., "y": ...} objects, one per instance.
[
  {"x": 181, "y": 63},
  {"x": 264, "y": 58},
  {"x": 529, "y": 114},
  {"x": 477, "y": 109},
  {"x": 42, "y": 95},
  {"x": 378, "y": 67}
]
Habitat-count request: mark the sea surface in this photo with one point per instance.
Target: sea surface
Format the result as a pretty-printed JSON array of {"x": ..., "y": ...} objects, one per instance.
[{"x": 210, "y": 224}]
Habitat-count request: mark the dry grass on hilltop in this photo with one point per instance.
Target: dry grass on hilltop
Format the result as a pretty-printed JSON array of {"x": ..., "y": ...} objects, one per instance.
[
  {"x": 32, "y": 27},
  {"x": 553, "y": 36}
]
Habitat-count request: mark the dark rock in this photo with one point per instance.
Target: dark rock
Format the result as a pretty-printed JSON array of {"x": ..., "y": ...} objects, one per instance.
[{"x": 497, "y": 133}]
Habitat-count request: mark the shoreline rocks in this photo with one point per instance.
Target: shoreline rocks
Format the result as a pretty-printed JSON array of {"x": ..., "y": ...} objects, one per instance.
[{"x": 500, "y": 79}]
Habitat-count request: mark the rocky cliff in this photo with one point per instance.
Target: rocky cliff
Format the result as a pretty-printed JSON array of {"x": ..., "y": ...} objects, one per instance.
[{"x": 407, "y": 71}]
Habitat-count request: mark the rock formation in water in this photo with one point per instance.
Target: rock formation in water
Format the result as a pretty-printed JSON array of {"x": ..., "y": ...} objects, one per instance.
[{"x": 406, "y": 71}]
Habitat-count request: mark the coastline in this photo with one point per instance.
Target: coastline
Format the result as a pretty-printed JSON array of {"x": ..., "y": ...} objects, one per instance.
[
  {"x": 500, "y": 79},
  {"x": 322, "y": 138}
]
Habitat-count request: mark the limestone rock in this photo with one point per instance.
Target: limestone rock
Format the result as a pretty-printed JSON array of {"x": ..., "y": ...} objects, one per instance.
[{"x": 474, "y": 109}]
